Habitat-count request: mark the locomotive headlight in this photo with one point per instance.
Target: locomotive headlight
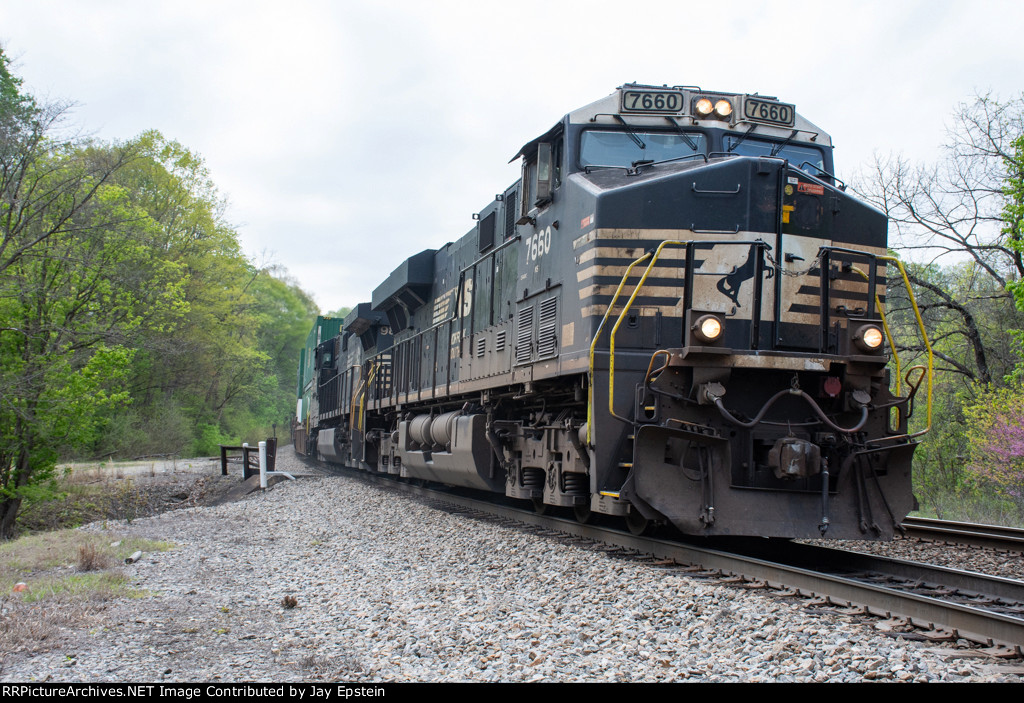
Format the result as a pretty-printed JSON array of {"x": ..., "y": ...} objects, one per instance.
[
  {"x": 707, "y": 328},
  {"x": 869, "y": 338},
  {"x": 723, "y": 108},
  {"x": 704, "y": 106}
]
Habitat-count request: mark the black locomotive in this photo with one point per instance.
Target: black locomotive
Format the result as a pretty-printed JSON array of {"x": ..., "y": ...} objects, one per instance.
[{"x": 675, "y": 315}]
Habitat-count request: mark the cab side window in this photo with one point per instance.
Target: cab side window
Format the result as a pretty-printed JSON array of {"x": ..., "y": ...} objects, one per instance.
[
  {"x": 556, "y": 162},
  {"x": 528, "y": 202},
  {"x": 542, "y": 176}
]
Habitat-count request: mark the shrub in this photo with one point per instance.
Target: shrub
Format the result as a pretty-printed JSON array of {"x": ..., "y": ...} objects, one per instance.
[
  {"x": 207, "y": 438},
  {"x": 995, "y": 432}
]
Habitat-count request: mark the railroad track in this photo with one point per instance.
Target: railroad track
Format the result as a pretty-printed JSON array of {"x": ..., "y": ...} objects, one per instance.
[
  {"x": 1009, "y": 539},
  {"x": 942, "y": 604},
  {"x": 992, "y": 611}
]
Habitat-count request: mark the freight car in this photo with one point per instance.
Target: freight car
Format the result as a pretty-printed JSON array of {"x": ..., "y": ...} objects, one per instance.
[{"x": 676, "y": 315}]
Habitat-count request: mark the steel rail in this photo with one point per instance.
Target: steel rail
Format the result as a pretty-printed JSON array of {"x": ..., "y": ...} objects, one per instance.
[
  {"x": 967, "y": 622},
  {"x": 840, "y": 561},
  {"x": 992, "y": 536},
  {"x": 962, "y": 621}
]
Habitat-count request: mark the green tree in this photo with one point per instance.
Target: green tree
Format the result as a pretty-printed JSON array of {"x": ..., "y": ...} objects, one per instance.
[
  {"x": 951, "y": 215},
  {"x": 959, "y": 221},
  {"x": 1013, "y": 211},
  {"x": 284, "y": 315},
  {"x": 121, "y": 282},
  {"x": 77, "y": 280},
  {"x": 995, "y": 422},
  {"x": 217, "y": 377}
]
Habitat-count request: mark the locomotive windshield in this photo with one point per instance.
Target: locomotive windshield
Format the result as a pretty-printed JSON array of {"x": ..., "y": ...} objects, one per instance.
[
  {"x": 603, "y": 148},
  {"x": 795, "y": 154}
]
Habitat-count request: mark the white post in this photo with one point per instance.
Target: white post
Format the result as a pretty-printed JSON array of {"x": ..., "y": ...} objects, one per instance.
[{"x": 263, "y": 464}]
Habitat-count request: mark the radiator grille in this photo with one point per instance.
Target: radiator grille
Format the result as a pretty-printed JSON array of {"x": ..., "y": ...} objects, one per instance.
[
  {"x": 524, "y": 335},
  {"x": 511, "y": 214},
  {"x": 547, "y": 329},
  {"x": 487, "y": 232}
]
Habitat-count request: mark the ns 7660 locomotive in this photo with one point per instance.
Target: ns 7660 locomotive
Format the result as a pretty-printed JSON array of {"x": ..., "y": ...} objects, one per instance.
[{"x": 675, "y": 315}]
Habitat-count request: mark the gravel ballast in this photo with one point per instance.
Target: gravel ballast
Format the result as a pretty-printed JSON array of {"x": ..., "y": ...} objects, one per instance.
[{"x": 389, "y": 589}]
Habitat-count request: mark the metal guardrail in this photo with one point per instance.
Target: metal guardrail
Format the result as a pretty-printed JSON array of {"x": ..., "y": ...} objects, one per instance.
[{"x": 248, "y": 459}]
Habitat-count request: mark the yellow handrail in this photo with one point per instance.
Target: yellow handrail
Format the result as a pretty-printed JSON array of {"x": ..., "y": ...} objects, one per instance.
[
  {"x": 362, "y": 398},
  {"x": 924, "y": 338},
  {"x": 356, "y": 395},
  {"x": 622, "y": 316},
  {"x": 593, "y": 344},
  {"x": 885, "y": 326},
  {"x": 650, "y": 266}
]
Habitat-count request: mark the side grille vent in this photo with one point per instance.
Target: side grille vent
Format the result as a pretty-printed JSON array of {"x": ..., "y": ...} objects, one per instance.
[
  {"x": 481, "y": 345},
  {"x": 499, "y": 341},
  {"x": 511, "y": 214},
  {"x": 487, "y": 232},
  {"x": 547, "y": 329},
  {"x": 524, "y": 335}
]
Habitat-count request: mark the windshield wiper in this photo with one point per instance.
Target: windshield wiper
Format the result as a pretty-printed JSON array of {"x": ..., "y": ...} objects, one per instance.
[
  {"x": 630, "y": 132},
  {"x": 781, "y": 145},
  {"x": 590, "y": 167},
  {"x": 694, "y": 155},
  {"x": 742, "y": 137},
  {"x": 686, "y": 137}
]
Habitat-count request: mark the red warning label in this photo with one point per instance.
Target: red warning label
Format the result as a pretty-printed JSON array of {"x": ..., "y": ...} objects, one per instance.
[{"x": 811, "y": 188}]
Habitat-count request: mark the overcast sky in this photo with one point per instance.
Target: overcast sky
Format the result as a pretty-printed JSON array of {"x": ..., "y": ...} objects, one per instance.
[{"x": 347, "y": 136}]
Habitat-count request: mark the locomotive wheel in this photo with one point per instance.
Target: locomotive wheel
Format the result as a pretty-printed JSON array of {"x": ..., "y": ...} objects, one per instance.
[
  {"x": 539, "y": 506},
  {"x": 637, "y": 523},
  {"x": 582, "y": 513}
]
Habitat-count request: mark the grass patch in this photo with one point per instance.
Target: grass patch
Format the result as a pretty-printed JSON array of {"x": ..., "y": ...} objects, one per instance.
[
  {"x": 975, "y": 507},
  {"x": 70, "y": 575},
  {"x": 90, "y": 558},
  {"x": 67, "y": 552},
  {"x": 80, "y": 586}
]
